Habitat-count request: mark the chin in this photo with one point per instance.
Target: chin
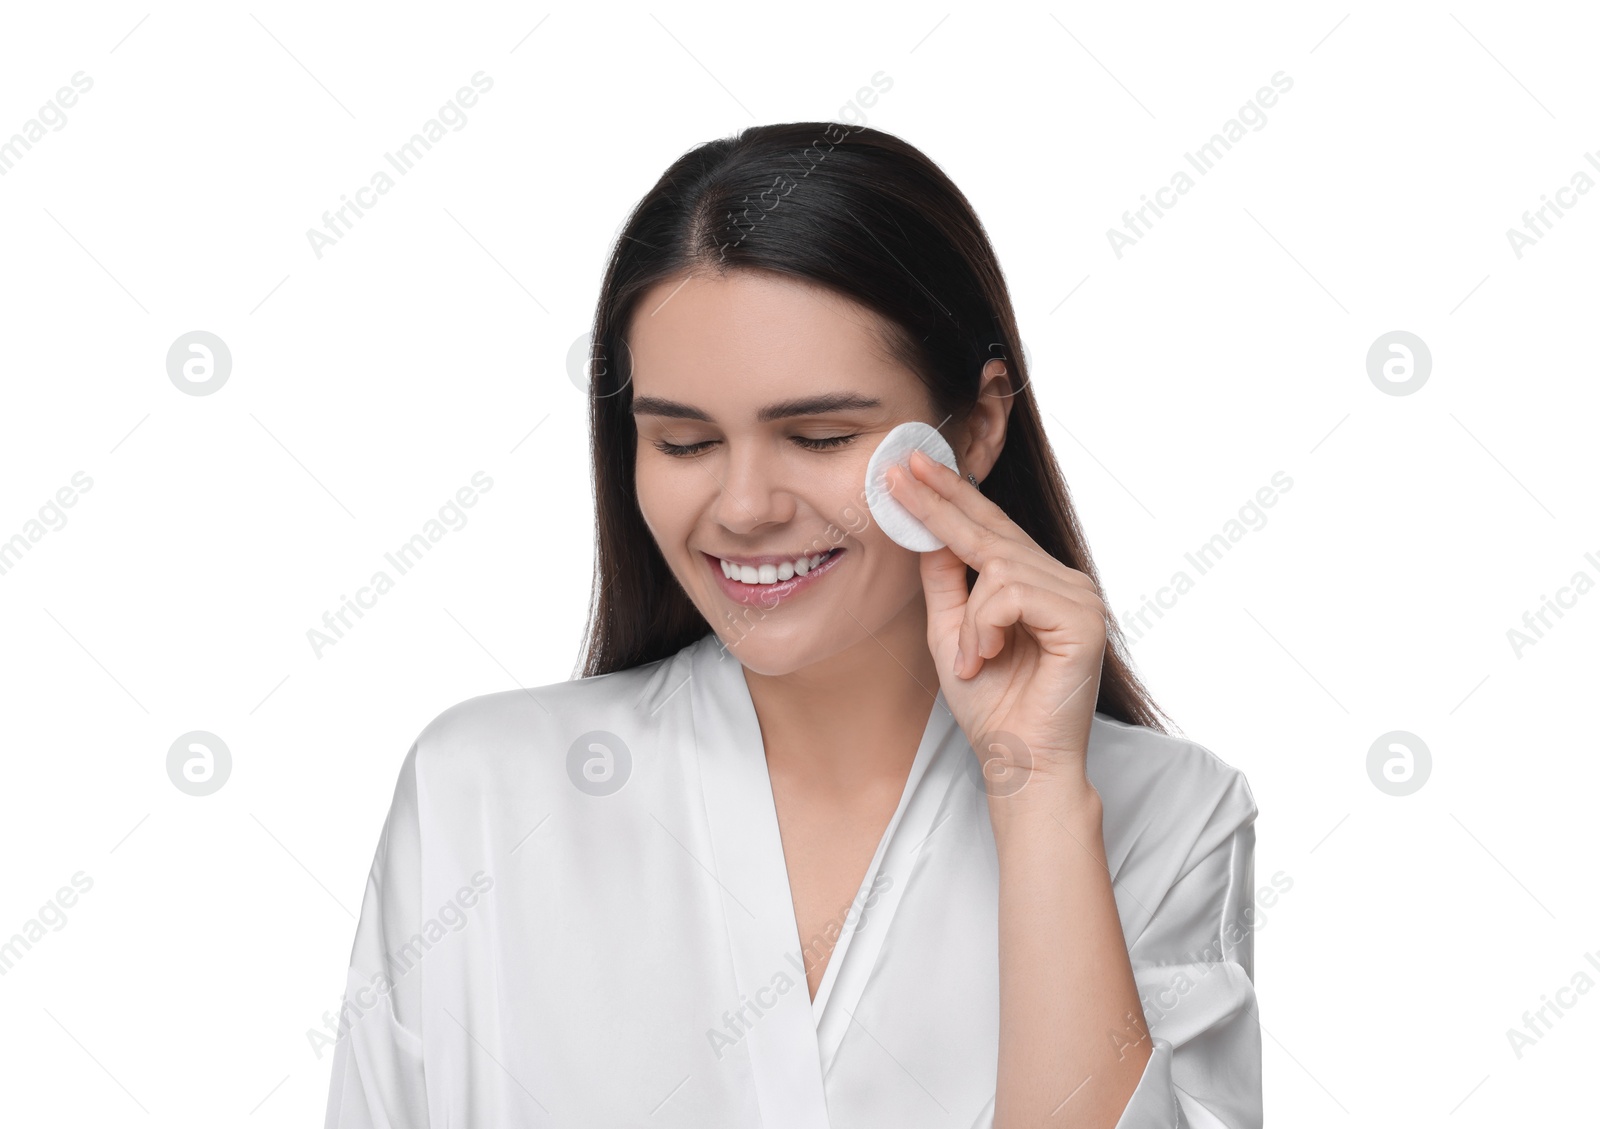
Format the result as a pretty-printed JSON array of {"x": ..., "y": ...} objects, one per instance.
[
  {"x": 773, "y": 648},
  {"x": 767, "y": 650}
]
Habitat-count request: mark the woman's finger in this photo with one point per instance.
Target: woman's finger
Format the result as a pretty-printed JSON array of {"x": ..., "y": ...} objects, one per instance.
[
  {"x": 954, "y": 510},
  {"x": 1034, "y": 568},
  {"x": 1053, "y": 615}
]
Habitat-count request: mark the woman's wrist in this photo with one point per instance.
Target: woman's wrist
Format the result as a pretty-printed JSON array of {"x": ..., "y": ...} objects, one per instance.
[{"x": 1050, "y": 807}]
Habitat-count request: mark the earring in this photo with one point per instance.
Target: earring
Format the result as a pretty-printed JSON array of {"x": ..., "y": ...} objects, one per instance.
[{"x": 970, "y": 479}]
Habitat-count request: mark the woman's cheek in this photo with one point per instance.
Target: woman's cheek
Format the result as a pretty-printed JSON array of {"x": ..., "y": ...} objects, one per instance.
[
  {"x": 667, "y": 508},
  {"x": 645, "y": 489},
  {"x": 854, "y": 519}
]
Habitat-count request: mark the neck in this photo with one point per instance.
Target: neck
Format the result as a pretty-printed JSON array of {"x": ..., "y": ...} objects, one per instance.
[{"x": 855, "y": 717}]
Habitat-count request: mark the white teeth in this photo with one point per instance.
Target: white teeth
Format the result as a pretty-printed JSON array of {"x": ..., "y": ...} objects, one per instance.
[{"x": 771, "y": 574}]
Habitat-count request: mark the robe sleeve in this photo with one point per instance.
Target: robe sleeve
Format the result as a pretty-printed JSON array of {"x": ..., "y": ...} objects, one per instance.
[
  {"x": 1194, "y": 966},
  {"x": 378, "y": 1078}
]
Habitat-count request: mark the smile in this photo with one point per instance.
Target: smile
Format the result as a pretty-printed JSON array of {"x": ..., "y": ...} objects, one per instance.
[{"x": 771, "y": 580}]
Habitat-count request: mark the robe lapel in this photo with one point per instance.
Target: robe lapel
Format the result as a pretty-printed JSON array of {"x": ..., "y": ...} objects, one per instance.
[
  {"x": 780, "y": 1033},
  {"x": 792, "y": 1044},
  {"x": 941, "y": 759}
]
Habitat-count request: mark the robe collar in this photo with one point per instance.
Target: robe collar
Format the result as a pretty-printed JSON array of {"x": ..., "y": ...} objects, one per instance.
[{"x": 792, "y": 1040}]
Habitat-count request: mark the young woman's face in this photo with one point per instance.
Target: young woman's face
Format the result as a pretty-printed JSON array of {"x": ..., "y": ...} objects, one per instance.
[{"x": 758, "y": 400}]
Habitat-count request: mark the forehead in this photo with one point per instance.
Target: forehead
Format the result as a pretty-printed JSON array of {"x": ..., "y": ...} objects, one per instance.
[{"x": 730, "y": 342}]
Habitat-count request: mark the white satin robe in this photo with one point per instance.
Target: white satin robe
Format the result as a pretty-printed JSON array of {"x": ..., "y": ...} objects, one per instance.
[{"x": 537, "y": 947}]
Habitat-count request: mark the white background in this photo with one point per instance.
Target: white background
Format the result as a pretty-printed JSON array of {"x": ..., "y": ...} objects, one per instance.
[{"x": 431, "y": 343}]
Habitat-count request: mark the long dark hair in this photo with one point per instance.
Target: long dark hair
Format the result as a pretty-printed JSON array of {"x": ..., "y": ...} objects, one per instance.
[{"x": 868, "y": 216}]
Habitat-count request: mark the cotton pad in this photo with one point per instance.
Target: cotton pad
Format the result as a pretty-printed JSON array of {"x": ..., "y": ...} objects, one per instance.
[{"x": 898, "y": 522}]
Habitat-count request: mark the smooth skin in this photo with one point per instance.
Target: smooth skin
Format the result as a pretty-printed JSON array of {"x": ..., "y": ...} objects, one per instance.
[{"x": 738, "y": 454}]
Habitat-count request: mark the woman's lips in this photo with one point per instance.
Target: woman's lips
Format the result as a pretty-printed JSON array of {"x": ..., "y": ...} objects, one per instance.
[{"x": 769, "y": 595}]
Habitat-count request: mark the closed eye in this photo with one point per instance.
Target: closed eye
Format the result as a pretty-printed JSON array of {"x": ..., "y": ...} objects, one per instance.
[
  {"x": 827, "y": 444},
  {"x": 688, "y": 450},
  {"x": 683, "y": 450}
]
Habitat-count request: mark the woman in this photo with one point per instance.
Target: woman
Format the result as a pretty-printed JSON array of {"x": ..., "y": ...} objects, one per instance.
[{"x": 749, "y": 870}]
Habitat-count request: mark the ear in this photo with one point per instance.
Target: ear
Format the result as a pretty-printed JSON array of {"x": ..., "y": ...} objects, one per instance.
[{"x": 986, "y": 427}]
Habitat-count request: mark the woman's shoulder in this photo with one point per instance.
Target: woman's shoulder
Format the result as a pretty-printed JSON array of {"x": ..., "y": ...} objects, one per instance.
[
  {"x": 1150, "y": 781},
  {"x": 488, "y": 728}
]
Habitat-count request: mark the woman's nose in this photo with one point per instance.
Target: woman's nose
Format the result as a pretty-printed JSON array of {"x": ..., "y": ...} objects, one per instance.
[{"x": 754, "y": 491}]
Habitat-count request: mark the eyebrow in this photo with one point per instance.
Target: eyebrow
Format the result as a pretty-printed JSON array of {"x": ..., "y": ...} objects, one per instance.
[{"x": 783, "y": 409}]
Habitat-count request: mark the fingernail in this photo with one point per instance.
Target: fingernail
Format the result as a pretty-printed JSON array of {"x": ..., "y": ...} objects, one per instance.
[{"x": 959, "y": 665}]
